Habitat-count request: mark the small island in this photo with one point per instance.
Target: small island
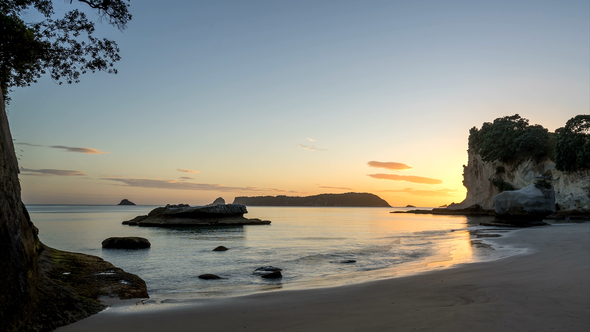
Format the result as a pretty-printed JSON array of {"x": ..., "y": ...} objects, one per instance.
[
  {"x": 126, "y": 202},
  {"x": 345, "y": 200},
  {"x": 183, "y": 215}
]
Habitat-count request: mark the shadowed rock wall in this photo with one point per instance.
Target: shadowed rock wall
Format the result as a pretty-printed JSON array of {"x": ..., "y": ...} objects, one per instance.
[{"x": 19, "y": 244}]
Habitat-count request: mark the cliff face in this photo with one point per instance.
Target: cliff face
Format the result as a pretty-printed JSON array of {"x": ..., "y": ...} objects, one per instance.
[
  {"x": 572, "y": 189},
  {"x": 19, "y": 245},
  {"x": 42, "y": 288}
]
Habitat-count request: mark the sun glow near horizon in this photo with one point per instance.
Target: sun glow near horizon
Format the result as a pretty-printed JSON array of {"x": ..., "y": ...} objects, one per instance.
[{"x": 298, "y": 98}]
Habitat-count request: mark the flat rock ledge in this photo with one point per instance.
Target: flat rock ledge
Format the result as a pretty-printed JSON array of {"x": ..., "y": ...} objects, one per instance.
[{"x": 183, "y": 215}]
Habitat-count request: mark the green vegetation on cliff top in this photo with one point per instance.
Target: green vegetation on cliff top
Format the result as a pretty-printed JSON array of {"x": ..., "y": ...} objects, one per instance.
[{"x": 511, "y": 139}]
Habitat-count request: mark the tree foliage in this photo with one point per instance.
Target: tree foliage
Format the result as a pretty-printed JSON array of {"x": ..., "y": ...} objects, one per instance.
[
  {"x": 572, "y": 146},
  {"x": 63, "y": 47},
  {"x": 510, "y": 139}
]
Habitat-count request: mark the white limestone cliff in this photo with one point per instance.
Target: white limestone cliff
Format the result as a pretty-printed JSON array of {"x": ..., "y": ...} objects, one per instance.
[{"x": 572, "y": 189}]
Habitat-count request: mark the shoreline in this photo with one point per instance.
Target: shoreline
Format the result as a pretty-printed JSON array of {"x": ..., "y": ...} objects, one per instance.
[{"x": 546, "y": 288}]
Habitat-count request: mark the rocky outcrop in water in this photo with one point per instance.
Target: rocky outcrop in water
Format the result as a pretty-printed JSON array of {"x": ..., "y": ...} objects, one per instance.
[
  {"x": 218, "y": 201},
  {"x": 528, "y": 203},
  {"x": 347, "y": 199},
  {"x": 126, "y": 202},
  {"x": 184, "y": 215},
  {"x": 130, "y": 242}
]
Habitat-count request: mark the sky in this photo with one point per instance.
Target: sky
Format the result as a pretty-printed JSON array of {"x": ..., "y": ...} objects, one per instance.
[{"x": 249, "y": 98}]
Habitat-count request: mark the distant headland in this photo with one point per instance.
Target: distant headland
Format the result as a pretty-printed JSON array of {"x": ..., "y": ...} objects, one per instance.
[{"x": 347, "y": 199}]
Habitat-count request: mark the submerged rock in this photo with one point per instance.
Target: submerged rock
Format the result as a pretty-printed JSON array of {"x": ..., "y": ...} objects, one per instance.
[
  {"x": 126, "y": 243},
  {"x": 209, "y": 276},
  {"x": 185, "y": 215},
  {"x": 266, "y": 269},
  {"x": 221, "y": 248},
  {"x": 348, "y": 261},
  {"x": 273, "y": 275},
  {"x": 528, "y": 203}
]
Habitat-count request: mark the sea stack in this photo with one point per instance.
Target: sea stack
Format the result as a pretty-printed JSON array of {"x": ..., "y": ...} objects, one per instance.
[
  {"x": 126, "y": 202},
  {"x": 185, "y": 215}
]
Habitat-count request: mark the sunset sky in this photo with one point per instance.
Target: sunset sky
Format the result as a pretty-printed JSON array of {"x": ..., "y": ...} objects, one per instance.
[{"x": 249, "y": 98}]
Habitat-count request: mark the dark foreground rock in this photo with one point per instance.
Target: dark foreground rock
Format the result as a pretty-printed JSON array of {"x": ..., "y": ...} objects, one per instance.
[
  {"x": 209, "y": 276},
  {"x": 126, "y": 243},
  {"x": 126, "y": 202},
  {"x": 185, "y": 215},
  {"x": 577, "y": 214},
  {"x": 70, "y": 285},
  {"x": 220, "y": 248}
]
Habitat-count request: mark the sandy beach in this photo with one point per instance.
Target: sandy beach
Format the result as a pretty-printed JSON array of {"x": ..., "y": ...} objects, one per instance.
[{"x": 546, "y": 289}]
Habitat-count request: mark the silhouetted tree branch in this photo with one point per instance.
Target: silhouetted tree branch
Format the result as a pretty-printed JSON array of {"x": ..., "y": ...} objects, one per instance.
[{"x": 63, "y": 47}]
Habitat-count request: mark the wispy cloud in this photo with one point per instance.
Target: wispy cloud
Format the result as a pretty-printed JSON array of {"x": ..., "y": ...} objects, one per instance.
[
  {"x": 185, "y": 178},
  {"x": 68, "y": 148},
  {"x": 79, "y": 150},
  {"x": 27, "y": 144},
  {"x": 336, "y": 188},
  {"x": 51, "y": 172},
  {"x": 408, "y": 178},
  {"x": 187, "y": 170},
  {"x": 433, "y": 193},
  {"x": 310, "y": 139},
  {"x": 183, "y": 185},
  {"x": 311, "y": 148},
  {"x": 389, "y": 165}
]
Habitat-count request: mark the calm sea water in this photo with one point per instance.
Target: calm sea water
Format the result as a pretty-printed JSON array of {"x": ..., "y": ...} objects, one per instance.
[{"x": 313, "y": 246}]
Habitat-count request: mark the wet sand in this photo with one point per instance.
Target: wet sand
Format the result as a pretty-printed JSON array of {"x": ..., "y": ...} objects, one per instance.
[{"x": 546, "y": 289}]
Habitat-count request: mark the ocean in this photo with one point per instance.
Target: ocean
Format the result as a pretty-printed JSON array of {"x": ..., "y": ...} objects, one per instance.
[{"x": 314, "y": 246}]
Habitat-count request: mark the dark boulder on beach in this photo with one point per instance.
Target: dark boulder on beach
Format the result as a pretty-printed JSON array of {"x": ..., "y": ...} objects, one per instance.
[
  {"x": 273, "y": 275},
  {"x": 126, "y": 202},
  {"x": 209, "y": 276},
  {"x": 531, "y": 203},
  {"x": 221, "y": 248},
  {"x": 126, "y": 243}
]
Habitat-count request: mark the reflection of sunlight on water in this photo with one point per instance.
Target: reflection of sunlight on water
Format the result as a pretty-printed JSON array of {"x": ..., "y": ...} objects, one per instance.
[{"x": 454, "y": 251}]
